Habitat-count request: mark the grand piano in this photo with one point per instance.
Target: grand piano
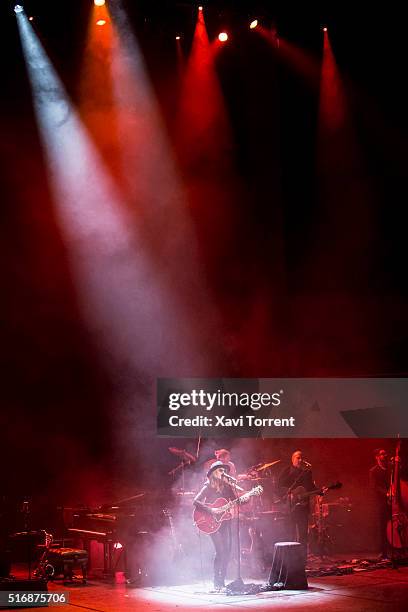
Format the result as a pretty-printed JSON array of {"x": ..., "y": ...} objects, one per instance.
[{"x": 115, "y": 526}]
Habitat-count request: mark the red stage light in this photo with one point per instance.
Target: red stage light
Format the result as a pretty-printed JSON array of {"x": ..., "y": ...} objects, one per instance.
[
  {"x": 178, "y": 37},
  {"x": 117, "y": 546},
  {"x": 200, "y": 8},
  {"x": 253, "y": 24},
  {"x": 324, "y": 29},
  {"x": 100, "y": 22},
  {"x": 223, "y": 37}
]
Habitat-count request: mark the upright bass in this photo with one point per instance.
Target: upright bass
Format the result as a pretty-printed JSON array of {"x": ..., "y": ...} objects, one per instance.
[{"x": 397, "y": 527}]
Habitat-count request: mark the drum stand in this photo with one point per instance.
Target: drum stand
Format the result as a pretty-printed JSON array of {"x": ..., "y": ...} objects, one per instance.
[
  {"x": 26, "y": 511},
  {"x": 172, "y": 472},
  {"x": 323, "y": 538}
]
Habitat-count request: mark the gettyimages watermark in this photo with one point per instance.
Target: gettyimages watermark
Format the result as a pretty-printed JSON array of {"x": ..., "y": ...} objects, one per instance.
[{"x": 287, "y": 407}]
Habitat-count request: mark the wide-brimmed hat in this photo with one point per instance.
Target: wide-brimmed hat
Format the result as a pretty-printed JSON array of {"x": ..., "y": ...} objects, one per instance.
[{"x": 216, "y": 465}]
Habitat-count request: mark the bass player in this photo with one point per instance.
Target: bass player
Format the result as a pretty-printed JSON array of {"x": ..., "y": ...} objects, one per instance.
[
  {"x": 380, "y": 480},
  {"x": 298, "y": 474}
]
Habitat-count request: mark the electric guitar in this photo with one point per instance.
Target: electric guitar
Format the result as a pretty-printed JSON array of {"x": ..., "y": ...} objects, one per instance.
[
  {"x": 211, "y": 522},
  {"x": 300, "y": 497}
]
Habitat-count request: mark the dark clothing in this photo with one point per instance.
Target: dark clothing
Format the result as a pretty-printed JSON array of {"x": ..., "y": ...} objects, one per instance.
[
  {"x": 292, "y": 477},
  {"x": 380, "y": 481},
  {"x": 379, "y": 484},
  {"x": 221, "y": 538},
  {"x": 222, "y": 545},
  {"x": 209, "y": 495},
  {"x": 289, "y": 480}
]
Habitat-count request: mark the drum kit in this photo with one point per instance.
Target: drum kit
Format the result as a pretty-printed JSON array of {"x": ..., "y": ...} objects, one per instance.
[
  {"x": 265, "y": 474},
  {"x": 261, "y": 471},
  {"x": 186, "y": 458}
]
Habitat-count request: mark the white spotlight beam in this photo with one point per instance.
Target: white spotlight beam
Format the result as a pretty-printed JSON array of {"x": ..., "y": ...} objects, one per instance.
[
  {"x": 135, "y": 318},
  {"x": 154, "y": 182}
]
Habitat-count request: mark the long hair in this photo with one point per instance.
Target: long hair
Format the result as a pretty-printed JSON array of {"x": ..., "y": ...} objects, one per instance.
[{"x": 215, "y": 483}]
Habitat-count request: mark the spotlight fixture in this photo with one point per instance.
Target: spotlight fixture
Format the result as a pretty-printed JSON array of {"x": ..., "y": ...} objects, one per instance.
[
  {"x": 223, "y": 37},
  {"x": 100, "y": 22},
  {"x": 31, "y": 19},
  {"x": 99, "y": 2},
  {"x": 178, "y": 37},
  {"x": 325, "y": 29},
  {"x": 253, "y": 24},
  {"x": 18, "y": 8},
  {"x": 200, "y": 8}
]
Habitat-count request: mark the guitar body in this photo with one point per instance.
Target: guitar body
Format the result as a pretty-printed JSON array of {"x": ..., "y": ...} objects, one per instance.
[
  {"x": 299, "y": 497},
  {"x": 210, "y": 523},
  {"x": 397, "y": 530}
]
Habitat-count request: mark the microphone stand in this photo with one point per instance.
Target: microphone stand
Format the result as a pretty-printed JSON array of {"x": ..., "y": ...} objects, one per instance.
[
  {"x": 237, "y": 586},
  {"x": 26, "y": 511}
]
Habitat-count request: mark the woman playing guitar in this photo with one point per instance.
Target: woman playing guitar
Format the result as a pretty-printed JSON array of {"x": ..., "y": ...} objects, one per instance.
[{"x": 214, "y": 488}]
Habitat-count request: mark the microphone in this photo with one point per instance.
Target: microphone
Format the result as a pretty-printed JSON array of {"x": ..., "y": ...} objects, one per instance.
[
  {"x": 306, "y": 463},
  {"x": 232, "y": 480}
]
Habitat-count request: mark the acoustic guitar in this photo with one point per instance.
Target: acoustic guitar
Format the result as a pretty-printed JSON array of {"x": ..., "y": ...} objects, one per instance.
[{"x": 209, "y": 522}]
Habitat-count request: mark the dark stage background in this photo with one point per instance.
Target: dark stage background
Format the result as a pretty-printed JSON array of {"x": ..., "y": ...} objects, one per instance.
[{"x": 299, "y": 284}]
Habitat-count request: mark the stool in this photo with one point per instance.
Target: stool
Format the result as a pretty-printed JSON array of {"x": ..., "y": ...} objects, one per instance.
[
  {"x": 64, "y": 560},
  {"x": 288, "y": 567}
]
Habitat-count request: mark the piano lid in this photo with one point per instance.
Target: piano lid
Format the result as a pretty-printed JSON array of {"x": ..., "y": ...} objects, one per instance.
[{"x": 111, "y": 518}]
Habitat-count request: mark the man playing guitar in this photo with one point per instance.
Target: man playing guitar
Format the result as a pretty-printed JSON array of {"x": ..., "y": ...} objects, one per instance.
[{"x": 298, "y": 477}]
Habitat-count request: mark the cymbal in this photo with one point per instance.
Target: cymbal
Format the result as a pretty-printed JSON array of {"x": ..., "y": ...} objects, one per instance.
[
  {"x": 264, "y": 466},
  {"x": 175, "y": 451},
  {"x": 180, "y": 452}
]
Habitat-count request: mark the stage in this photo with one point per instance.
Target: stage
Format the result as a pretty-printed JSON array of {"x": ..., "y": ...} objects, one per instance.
[{"x": 384, "y": 589}]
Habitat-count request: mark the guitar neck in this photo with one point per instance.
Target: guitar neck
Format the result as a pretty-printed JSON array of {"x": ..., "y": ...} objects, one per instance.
[
  {"x": 314, "y": 492},
  {"x": 307, "y": 494},
  {"x": 238, "y": 500},
  {"x": 232, "y": 502}
]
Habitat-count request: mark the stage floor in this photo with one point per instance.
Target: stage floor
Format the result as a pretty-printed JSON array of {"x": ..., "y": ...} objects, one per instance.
[{"x": 382, "y": 590}]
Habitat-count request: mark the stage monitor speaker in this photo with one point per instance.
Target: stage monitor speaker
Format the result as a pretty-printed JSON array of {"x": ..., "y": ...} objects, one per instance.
[{"x": 288, "y": 569}]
